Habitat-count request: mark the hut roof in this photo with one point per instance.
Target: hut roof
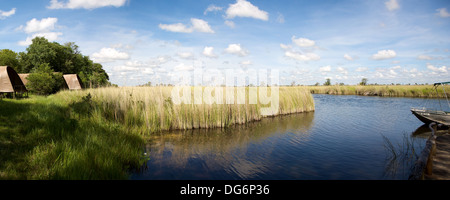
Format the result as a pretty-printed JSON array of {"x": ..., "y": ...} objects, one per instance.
[
  {"x": 10, "y": 80},
  {"x": 24, "y": 78},
  {"x": 73, "y": 81}
]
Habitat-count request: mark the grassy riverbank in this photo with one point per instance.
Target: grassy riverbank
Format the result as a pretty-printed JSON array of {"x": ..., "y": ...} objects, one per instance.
[
  {"x": 99, "y": 133},
  {"x": 423, "y": 91},
  {"x": 151, "y": 109}
]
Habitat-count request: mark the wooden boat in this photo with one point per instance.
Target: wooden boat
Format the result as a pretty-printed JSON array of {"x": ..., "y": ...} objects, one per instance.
[{"x": 428, "y": 116}]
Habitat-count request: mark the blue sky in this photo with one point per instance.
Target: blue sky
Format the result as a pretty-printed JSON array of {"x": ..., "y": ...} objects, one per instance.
[{"x": 386, "y": 41}]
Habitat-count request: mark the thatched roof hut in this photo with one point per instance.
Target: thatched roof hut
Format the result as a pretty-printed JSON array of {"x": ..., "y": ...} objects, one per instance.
[
  {"x": 73, "y": 81},
  {"x": 10, "y": 81},
  {"x": 24, "y": 78}
]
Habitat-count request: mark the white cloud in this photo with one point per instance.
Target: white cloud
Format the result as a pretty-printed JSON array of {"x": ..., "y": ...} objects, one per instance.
[
  {"x": 50, "y": 36},
  {"x": 442, "y": 12},
  {"x": 201, "y": 26},
  {"x": 302, "y": 57},
  {"x": 109, "y": 55},
  {"x": 40, "y": 28},
  {"x": 325, "y": 69},
  {"x": 148, "y": 71},
  {"x": 212, "y": 8},
  {"x": 134, "y": 66},
  {"x": 285, "y": 47},
  {"x": 247, "y": 62},
  {"x": 85, "y": 4},
  {"x": 196, "y": 25},
  {"x": 208, "y": 52},
  {"x": 185, "y": 55},
  {"x": 43, "y": 25},
  {"x": 442, "y": 69},
  {"x": 424, "y": 57},
  {"x": 392, "y": 72},
  {"x": 348, "y": 57},
  {"x": 125, "y": 68},
  {"x": 392, "y": 5},
  {"x": 243, "y": 8},
  {"x": 338, "y": 77},
  {"x": 303, "y": 42},
  {"x": 230, "y": 23},
  {"x": 183, "y": 67},
  {"x": 362, "y": 69},
  {"x": 384, "y": 54},
  {"x": 280, "y": 18},
  {"x": 162, "y": 59},
  {"x": 236, "y": 49},
  {"x": 178, "y": 27},
  {"x": 342, "y": 70},
  {"x": 5, "y": 14},
  {"x": 379, "y": 75}
]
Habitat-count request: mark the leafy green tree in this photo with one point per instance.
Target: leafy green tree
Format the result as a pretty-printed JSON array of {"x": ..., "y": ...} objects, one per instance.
[
  {"x": 66, "y": 59},
  {"x": 44, "y": 81},
  {"x": 328, "y": 82},
  {"x": 10, "y": 58},
  {"x": 363, "y": 81},
  {"x": 39, "y": 52}
]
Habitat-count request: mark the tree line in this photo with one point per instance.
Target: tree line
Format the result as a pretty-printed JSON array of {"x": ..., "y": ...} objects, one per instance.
[{"x": 43, "y": 58}]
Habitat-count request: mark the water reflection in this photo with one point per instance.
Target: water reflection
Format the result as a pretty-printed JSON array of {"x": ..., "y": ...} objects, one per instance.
[
  {"x": 424, "y": 131},
  {"x": 345, "y": 139},
  {"x": 233, "y": 153}
]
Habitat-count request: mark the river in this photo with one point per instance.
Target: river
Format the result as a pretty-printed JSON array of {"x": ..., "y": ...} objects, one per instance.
[{"x": 344, "y": 139}]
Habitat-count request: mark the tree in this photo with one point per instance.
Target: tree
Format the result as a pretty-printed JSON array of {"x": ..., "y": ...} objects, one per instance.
[
  {"x": 66, "y": 59},
  {"x": 39, "y": 52},
  {"x": 10, "y": 58},
  {"x": 363, "y": 81},
  {"x": 44, "y": 81},
  {"x": 328, "y": 82}
]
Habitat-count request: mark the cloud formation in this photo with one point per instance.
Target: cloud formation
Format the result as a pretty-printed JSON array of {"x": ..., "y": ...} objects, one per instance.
[
  {"x": 44, "y": 25},
  {"x": 109, "y": 55},
  {"x": 85, "y": 4},
  {"x": 442, "y": 12},
  {"x": 236, "y": 49},
  {"x": 5, "y": 14},
  {"x": 296, "y": 55},
  {"x": 384, "y": 54},
  {"x": 301, "y": 57},
  {"x": 243, "y": 8},
  {"x": 208, "y": 52},
  {"x": 442, "y": 69},
  {"x": 196, "y": 25},
  {"x": 348, "y": 57},
  {"x": 212, "y": 8},
  {"x": 392, "y": 5},
  {"x": 303, "y": 42},
  {"x": 40, "y": 28}
]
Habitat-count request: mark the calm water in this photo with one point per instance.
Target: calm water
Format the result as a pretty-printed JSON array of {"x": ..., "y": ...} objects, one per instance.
[{"x": 342, "y": 139}]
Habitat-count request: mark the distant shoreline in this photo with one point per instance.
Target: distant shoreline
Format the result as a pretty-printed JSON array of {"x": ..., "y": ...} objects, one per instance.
[{"x": 421, "y": 91}]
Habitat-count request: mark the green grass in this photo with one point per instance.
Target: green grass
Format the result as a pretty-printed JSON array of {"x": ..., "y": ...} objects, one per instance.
[
  {"x": 150, "y": 109},
  {"x": 100, "y": 133},
  {"x": 45, "y": 138},
  {"x": 423, "y": 91}
]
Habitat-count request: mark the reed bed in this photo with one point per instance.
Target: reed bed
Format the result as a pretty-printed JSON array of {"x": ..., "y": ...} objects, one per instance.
[
  {"x": 151, "y": 109},
  {"x": 423, "y": 91}
]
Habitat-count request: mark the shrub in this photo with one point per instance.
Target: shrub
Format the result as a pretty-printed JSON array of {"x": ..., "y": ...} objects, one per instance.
[{"x": 44, "y": 81}]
